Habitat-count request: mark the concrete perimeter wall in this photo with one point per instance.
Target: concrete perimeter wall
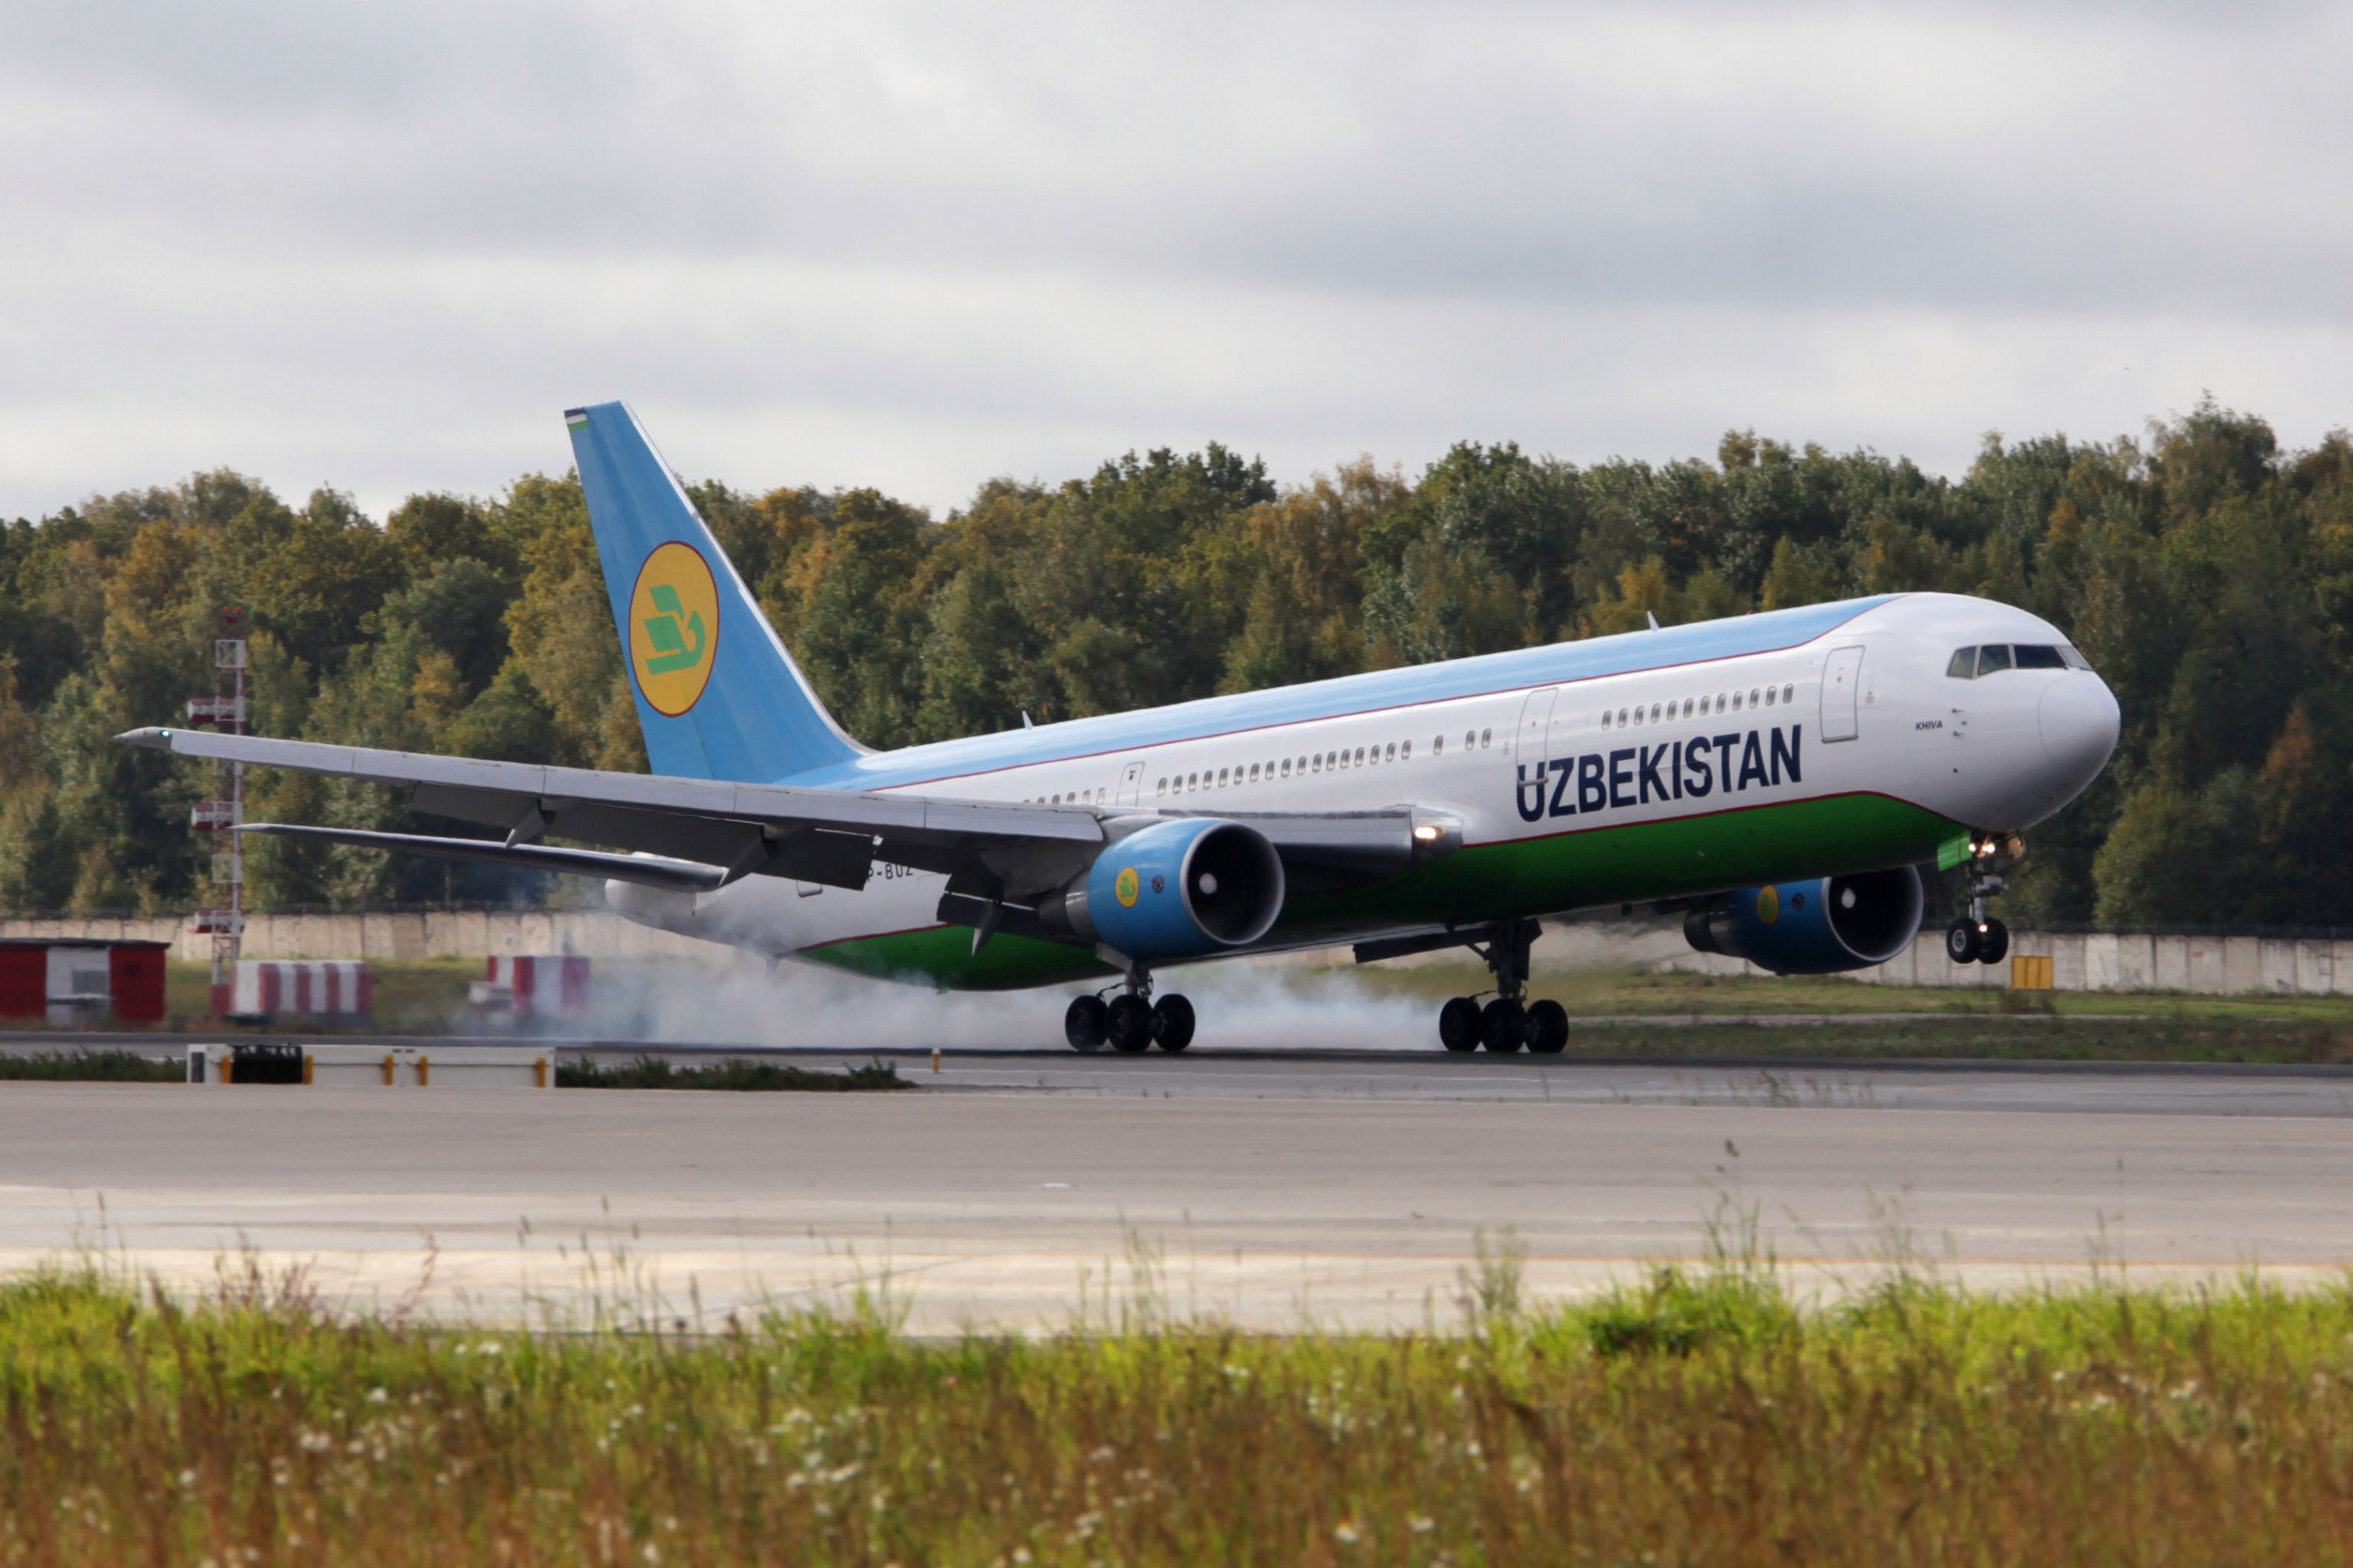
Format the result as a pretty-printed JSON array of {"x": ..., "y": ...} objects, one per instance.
[
  {"x": 2097, "y": 962},
  {"x": 2215, "y": 965}
]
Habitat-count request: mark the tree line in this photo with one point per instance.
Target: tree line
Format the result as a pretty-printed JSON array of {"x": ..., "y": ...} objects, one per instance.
[{"x": 2206, "y": 573}]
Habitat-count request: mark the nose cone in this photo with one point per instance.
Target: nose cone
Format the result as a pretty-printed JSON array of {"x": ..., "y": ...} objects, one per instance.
[{"x": 2080, "y": 721}]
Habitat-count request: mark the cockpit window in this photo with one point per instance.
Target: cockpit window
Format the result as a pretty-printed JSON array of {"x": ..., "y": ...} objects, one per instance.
[{"x": 1969, "y": 663}]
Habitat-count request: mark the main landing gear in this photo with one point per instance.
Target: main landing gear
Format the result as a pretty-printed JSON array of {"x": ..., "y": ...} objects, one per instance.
[
  {"x": 1130, "y": 1022},
  {"x": 1510, "y": 1021},
  {"x": 1975, "y": 937}
]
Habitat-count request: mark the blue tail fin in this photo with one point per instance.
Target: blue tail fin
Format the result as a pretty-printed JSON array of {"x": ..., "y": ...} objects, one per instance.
[{"x": 718, "y": 696}]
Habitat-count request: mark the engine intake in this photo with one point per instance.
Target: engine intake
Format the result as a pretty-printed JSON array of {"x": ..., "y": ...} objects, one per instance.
[
  {"x": 1176, "y": 889},
  {"x": 1821, "y": 926}
]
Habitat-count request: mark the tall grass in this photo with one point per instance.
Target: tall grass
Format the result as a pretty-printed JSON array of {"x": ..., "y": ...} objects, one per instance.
[{"x": 1697, "y": 1417}]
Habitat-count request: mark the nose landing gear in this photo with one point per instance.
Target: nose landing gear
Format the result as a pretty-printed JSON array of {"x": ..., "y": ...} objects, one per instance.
[
  {"x": 1976, "y": 938},
  {"x": 1509, "y": 1022},
  {"x": 1130, "y": 1022}
]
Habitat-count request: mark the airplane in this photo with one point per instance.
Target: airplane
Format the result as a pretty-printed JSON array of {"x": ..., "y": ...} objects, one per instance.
[{"x": 1777, "y": 778}]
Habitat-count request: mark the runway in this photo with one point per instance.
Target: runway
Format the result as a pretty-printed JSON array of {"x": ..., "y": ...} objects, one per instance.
[{"x": 1022, "y": 1191}]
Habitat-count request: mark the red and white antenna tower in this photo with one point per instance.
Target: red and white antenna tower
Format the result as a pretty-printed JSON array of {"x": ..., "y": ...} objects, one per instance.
[{"x": 222, "y": 815}]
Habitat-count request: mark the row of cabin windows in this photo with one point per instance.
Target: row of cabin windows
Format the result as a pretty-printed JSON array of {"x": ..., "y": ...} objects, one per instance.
[
  {"x": 1316, "y": 763},
  {"x": 1723, "y": 702}
]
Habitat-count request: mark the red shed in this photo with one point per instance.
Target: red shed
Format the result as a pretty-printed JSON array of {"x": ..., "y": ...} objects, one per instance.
[{"x": 70, "y": 979}]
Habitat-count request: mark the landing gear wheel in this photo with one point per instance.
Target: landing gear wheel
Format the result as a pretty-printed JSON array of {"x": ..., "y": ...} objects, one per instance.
[
  {"x": 1503, "y": 1027},
  {"x": 1086, "y": 1023},
  {"x": 1963, "y": 941},
  {"x": 1458, "y": 1025},
  {"x": 1172, "y": 1023},
  {"x": 1127, "y": 1023},
  {"x": 1995, "y": 943},
  {"x": 1547, "y": 1027}
]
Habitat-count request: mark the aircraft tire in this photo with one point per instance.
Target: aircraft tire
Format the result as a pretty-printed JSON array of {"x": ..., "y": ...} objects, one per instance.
[
  {"x": 1086, "y": 1023},
  {"x": 1548, "y": 1028},
  {"x": 1963, "y": 943},
  {"x": 1458, "y": 1025},
  {"x": 1172, "y": 1023},
  {"x": 1127, "y": 1024},
  {"x": 1996, "y": 943},
  {"x": 1503, "y": 1027}
]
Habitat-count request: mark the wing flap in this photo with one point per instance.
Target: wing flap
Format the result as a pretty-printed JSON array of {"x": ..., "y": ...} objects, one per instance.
[{"x": 651, "y": 871}]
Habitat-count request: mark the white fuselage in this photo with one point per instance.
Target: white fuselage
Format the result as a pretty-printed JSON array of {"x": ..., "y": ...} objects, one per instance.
[{"x": 1999, "y": 753}]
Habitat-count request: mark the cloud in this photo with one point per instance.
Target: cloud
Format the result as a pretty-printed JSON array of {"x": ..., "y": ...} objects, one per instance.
[{"x": 381, "y": 246}]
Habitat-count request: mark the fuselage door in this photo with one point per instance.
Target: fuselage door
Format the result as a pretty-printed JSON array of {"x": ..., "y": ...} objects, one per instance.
[
  {"x": 1131, "y": 783},
  {"x": 1535, "y": 719},
  {"x": 1842, "y": 679}
]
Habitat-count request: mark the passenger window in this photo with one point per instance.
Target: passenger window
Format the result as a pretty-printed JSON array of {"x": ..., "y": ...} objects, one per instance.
[
  {"x": 1438, "y": 745},
  {"x": 1638, "y": 715},
  {"x": 1605, "y": 721},
  {"x": 1470, "y": 740},
  {"x": 1406, "y": 753},
  {"x": 1752, "y": 698},
  {"x": 1788, "y": 693},
  {"x": 1390, "y": 755},
  {"x": 1486, "y": 738},
  {"x": 1286, "y": 767},
  {"x": 1736, "y": 702},
  {"x": 2031, "y": 657},
  {"x": 1254, "y": 773},
  {"x": 1771, "y": 696},
  {"x": 1993, "y": 656},
  {"x": 1360, "y": 755}
]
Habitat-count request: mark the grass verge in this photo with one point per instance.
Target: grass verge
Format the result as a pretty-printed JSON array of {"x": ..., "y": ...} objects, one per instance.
[
  {"x": 93, "y": 1067},
  {"x": 1695, "y": 1417},
  {"x": 735, "y": 1073}
]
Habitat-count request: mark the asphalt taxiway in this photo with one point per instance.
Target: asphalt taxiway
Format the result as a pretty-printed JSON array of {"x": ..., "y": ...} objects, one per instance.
[{"x": 1023, "y": 1189}]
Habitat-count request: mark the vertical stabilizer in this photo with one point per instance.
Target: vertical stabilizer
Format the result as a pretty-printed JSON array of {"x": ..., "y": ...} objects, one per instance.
[{"x": 718, "y": 697}]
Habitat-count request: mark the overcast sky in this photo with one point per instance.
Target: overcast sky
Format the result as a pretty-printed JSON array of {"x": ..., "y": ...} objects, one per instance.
[{"x": 382, "y": 246}]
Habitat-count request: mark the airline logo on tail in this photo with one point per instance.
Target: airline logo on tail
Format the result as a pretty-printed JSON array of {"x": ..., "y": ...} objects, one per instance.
[{"x": 673, "y": 626}]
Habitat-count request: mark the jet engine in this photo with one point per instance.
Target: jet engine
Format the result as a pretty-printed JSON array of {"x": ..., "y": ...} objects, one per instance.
[
  {"x": 1176, "y": 889},
  {"x": 1819, "y": 927}
]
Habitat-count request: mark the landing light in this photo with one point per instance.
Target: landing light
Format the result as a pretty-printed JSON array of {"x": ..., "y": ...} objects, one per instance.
[{"x": 1428, "y": 833}]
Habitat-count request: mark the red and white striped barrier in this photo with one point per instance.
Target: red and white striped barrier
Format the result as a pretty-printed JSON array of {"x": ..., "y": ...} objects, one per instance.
[
  {"x": 318, "y": 987},
  {"x": 539, "y": 985}
]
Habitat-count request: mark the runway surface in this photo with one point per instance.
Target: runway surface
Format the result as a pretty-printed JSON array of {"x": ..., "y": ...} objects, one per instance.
[{"x": 1021, "y": 1190}]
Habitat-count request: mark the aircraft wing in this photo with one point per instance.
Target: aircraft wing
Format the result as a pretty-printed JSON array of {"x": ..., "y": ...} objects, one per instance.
[{"x": 670, "y": 829}]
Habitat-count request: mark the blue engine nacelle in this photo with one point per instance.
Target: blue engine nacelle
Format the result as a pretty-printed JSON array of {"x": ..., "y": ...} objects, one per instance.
[
  {"x": 1813, "y": 928},
  {"x": 1176, "y": 889}
]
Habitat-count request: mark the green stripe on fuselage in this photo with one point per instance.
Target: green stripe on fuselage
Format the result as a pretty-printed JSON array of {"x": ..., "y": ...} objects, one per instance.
[{"x": 1633, "y": 863}]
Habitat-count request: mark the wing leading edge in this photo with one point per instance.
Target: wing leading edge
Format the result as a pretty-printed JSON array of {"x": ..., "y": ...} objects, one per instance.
[{"x": 698, "y": 835}]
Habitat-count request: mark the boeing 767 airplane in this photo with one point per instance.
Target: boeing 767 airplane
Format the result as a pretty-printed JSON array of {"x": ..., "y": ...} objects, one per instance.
[{"x": 1777, "y": 778}]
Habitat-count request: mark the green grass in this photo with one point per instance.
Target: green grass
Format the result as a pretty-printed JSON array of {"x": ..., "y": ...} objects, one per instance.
[
  {"x": 93, "y": 1067},
  {"x": 2156, "y": 1039},
  {"x": 734, "y": 1073},
  {"x": 1697, "y": 1417}
]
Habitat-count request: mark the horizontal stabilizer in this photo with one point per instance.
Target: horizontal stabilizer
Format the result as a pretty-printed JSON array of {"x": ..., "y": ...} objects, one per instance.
[{"x": 647, "y": 870}]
